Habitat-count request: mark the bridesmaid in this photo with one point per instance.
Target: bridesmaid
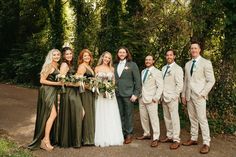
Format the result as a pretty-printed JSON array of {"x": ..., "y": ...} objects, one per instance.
[
  {"x": 71, "y": 110},
  {"x": 46, "y": 123},
  {"x": 87, "y": 97}
]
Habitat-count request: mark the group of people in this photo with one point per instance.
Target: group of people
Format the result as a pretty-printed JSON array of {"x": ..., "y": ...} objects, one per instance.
[
  {"x": 80, "y": 117},
  {"x": 166, "y": 87}
]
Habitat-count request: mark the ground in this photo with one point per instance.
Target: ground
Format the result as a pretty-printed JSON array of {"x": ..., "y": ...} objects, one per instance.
[{"x": 17, "y": 118}]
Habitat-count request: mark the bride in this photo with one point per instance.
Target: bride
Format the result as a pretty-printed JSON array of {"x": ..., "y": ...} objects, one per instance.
[{"x": 108, "y": 130}]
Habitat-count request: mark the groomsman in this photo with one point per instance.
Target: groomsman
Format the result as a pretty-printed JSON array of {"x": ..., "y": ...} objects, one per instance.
[
  {"x": 199, "y": 79},
  {"x": 173, "y": 85},
  {"x": 152, "y": 87},
  {"x": 128, "y": 89}
]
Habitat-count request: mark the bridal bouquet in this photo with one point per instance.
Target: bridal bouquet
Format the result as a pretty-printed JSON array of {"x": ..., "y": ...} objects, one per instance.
[{"x": 104, "y": 86}]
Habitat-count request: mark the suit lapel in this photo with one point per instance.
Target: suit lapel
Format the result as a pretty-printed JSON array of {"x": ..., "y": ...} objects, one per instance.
[
  {"x": 116, "y": 73},
  {"x": 126, "y": 65},
  {"x": 142, "y": 73}
]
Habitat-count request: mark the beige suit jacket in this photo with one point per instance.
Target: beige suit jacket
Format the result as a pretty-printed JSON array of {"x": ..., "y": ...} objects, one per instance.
[
  {"x": 152, "y": 88},
  {"x": 201, "y": 81},
  {"x": 173, "y": 83}
]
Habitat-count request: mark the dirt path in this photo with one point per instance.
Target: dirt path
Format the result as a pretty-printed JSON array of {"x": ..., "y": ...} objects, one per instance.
[{"x": 17, "y": 117}]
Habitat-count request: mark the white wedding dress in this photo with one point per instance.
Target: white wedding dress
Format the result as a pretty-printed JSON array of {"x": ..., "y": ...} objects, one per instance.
[{"x": 108, "y": 129}]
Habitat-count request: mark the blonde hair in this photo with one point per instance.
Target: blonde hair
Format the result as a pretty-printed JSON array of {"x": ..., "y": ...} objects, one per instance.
[
  {"x": 48, "y": 60},
  {"x": 101, "y": 58}
]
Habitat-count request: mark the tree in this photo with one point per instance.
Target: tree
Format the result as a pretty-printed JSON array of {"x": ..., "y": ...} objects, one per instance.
[
  {"x": 109, "y": 34},
  {"x": 54, "y": 11}
]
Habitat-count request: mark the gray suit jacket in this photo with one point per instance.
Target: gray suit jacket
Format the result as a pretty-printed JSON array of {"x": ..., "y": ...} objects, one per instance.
[
  {"x": 128, "y": 83},
  {"x": 201, "y": 81},
  {"x": 173, "y": 83},
  {"x": 152, "y": 88}
]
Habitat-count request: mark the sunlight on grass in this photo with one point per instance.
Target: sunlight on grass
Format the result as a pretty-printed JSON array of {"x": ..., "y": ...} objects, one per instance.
[{"x": 8, "y": 148}]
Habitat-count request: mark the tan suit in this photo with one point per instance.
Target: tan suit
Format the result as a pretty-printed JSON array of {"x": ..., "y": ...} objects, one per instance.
[
  {"x": 173, "y": 85},
  {"x": 152, "y": 89},
  {"x": 196, "y": 89}
]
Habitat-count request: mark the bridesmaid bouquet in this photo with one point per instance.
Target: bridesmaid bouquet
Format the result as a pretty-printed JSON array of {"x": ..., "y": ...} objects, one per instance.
[
  {"x": 75, "y": 79},
  {"x": 63, "y": 79}
]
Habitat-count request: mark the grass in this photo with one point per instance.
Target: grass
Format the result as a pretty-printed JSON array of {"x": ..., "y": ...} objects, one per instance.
[{"x": 10, "y": 149}]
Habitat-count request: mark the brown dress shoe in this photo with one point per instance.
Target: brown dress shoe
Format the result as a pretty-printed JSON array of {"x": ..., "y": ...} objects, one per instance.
[
  {"x": 128, "y": 139},
  {"x": 166, "y": 140},
  {"x": 189, "y": 143},
  {"x": 175, "y": 145},
  {"x": 143, "y": 138},
  {"x": 154, "y": 143},
  {"x": 205, "y": 149}
]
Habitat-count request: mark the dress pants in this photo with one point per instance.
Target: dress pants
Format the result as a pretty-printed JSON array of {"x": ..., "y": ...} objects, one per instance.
[
  {"x": 149, "y": 112},
  {"x": 197, "y": 115},
  {"x": 126, "y": 108},
  {"x": 171, "y": 118}
]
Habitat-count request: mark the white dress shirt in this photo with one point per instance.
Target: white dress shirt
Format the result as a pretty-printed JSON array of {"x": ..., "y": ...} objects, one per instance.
[
  {"x": 195, "y": 64},
  {"x": 121, "y": 67}
]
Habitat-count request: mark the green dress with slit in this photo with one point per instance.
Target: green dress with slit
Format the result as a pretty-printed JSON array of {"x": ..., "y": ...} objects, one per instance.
[
  {"x": 70, "y": 117},
  {"x": 88, "y": 102},
  {"x": 47, "y": 97}
]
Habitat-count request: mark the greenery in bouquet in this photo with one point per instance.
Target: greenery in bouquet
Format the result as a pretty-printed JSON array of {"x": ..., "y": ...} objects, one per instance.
[
  {"x": 104, "y": 86},
  {"x": 64, "y": 79}
]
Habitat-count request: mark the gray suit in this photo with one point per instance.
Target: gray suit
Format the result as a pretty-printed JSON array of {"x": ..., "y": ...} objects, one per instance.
[
  {"x": 173, "y": 85},
  {"x": 128, "y": 84},
  {"x": 196, "y": 89}
]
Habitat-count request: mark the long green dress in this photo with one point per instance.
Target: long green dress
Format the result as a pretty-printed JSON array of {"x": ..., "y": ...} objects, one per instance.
[
  {"x": 71, "y": 116},
  {"x": 47, "y": 97},
  {"x": 88, "y": 102}
]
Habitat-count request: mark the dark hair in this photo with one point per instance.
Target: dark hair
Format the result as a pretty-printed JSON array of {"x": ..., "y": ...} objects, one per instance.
[
  {"x": 198, "y": 43},
  {"x": 128, "y": 57},
  {"x": 172, "y": 51},
  {"x": 63, "y": 51}
]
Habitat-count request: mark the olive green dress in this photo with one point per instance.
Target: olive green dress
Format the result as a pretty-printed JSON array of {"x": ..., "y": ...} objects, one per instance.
[
  {"x": 71, "y": 116},
  {"x": 47, "y": 97},
  {"x": 88, "y": 102}
]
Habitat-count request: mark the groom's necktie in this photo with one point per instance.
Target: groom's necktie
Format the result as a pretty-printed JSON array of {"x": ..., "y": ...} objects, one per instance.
[
  {"x": 166, "y": 71},
  {"x": 145, "y": 75},
  {"x": 193, "y": 64}
]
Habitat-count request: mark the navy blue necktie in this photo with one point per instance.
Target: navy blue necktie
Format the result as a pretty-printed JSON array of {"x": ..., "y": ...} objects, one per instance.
[
  {"x": 166, "y": 70},
  {"x": 193, "y": 64}
]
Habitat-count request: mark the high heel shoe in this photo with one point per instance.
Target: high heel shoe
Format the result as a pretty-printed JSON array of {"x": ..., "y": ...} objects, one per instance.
[{"x": 46, "y": 146}]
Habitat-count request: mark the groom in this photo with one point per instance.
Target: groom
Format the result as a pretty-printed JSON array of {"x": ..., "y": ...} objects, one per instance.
[{"x": 128, "y": 89}]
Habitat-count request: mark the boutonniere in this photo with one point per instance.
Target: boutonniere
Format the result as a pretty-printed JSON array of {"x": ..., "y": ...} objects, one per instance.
[
  {"x": 150, "y": 76},
  {"x": 126, "y": 67},
  {"x": 168, "y": 72}
]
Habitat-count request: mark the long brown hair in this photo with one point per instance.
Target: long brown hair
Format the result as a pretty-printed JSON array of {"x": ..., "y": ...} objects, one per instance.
[
  {"x": 63, "y": 51},
  {"x": 80, "y": 58},
  {"x": 128, "y": 57}
]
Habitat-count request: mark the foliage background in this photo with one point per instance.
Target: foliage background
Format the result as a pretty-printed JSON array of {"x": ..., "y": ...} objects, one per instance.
[{"x": 30, "y": 28}]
